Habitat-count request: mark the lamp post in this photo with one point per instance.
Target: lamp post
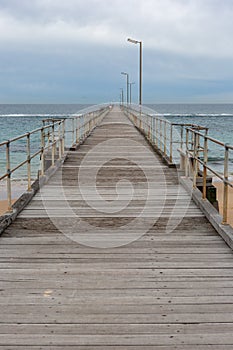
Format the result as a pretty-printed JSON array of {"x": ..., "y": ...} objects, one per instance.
[
  {"x": 122, "y": 96},
  {"x": 140, "y": 66},
  {"x": 130, "y": 92},
  {"x": 127, "y": 86}
]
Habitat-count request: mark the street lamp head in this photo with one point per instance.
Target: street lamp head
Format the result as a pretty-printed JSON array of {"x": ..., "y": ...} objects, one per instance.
[
  {"x": 124, "y": 73},
  {"x": 133, "y": 41}
]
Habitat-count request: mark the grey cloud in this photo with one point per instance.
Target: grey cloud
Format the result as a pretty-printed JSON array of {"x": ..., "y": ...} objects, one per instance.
[
  {"x": 200, "y": 27},
  {"x": 85, "y": 41}
]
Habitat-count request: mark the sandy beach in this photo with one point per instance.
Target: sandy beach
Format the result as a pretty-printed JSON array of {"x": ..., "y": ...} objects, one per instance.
[
  {"x": 18, "y": 188},
  {"x": 4, "y": 206}
]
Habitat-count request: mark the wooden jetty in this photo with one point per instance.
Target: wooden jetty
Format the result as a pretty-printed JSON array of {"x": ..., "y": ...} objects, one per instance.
[{"x": 167, "y": 289}]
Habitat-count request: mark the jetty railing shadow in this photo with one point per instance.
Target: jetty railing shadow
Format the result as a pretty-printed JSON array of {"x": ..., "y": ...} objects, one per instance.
[
  {"x": 185, "y": 146},
  {"x": 50, "y": 143}
]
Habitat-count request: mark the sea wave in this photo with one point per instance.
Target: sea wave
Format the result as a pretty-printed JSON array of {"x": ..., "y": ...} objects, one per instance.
[
  {"x": 38, "y": 115},
  {"x": 191, "y": 115}
]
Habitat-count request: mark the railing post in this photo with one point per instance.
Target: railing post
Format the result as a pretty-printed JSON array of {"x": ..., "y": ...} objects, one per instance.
[
  {"x": 225, "y": 192},
  {"x": 156, "y": 132},
  {"x": 89, "y": 125},
  {"x": 165, "y": 139},
  {"x": 198, "y": 150},
  {"x": 63, "y": 136},
  {"x": 195, "y": 161},
  {"x": 204, "y": 167},
  {"x": 28, "y": 162},
  {"x": 84, "y": 125},
  {"x": 187, "y": 154},
  {"x": 59, "y": 141},
  {"x": 8, "y": 170},
  {"x": 42, "y": 151},
  {"x": 53, "y": 146},
  {"x": 171, "y": 144},
  {"x": 76, "y": 127},
  {"x": 72, "y": 131},
  {"x": 153, "y": 130},
  {"x": 182, "y": 137},
  {"x": 148, "y": 126},
  {"x": 80, "y": 127},
  {"x": 140, "y": 123},
  {"x": 160, "y": 134}
]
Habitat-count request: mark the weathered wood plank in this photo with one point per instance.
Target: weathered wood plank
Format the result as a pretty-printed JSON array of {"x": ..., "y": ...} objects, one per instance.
[{"x": 168, "y": 290}]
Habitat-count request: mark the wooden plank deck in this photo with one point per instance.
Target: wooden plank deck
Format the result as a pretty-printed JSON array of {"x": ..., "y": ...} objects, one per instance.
[{"x": 113, "y": 287}]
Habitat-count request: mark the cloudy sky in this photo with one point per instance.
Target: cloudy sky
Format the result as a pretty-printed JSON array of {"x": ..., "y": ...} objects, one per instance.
[{"x": 73, "y": 51}]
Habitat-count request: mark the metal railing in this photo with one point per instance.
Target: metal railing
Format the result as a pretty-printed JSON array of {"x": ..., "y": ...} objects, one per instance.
[
  {"x": 166, "y": 136},
  {"x": 197, "y": 150},
  {"x": 51, "y": 141},
  {"x": 191, "y": 141}
]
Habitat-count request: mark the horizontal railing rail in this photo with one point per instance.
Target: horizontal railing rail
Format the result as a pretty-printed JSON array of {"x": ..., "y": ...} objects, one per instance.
[
  {"x": 163, "y": 134},
  {"x": 192, "y": 142},
  {"x": 51, "y": 141},
  {"x": 201, "y": 143}
]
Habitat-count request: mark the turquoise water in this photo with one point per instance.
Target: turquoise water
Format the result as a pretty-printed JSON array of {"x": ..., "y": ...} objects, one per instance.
[
  {"x": 18, "y": 119},
  {"x": 217, "y": 117}
]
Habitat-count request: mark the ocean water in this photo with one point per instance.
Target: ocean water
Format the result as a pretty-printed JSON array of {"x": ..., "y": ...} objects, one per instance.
[
  {"x": 217, "y": 117},
  {"x": 18, "y": 119}
]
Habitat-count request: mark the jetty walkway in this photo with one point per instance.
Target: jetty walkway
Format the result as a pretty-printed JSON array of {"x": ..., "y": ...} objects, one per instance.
[{"x": 113, "y": 254}]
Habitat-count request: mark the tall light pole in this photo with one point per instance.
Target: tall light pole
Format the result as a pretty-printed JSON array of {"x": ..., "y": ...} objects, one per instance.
[
  {"x": 140, "y": 66},
  {"x": 130, "y": 92},
  {"x": 127, "y": 86},
  {"x": 122, "y": 95}
]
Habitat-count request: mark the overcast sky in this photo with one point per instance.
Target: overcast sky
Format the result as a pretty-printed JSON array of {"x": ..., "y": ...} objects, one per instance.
[{"x": 73, "y": 51}]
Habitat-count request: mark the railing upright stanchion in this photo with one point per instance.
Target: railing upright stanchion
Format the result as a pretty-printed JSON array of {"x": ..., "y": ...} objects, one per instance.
[
  {"x": 187, "y": 154},
  {"x": 53, "y": 146},
  {"x": 63, "y": 137},
  {"x": 160, "y": 134},
  {"x": 76, "y": 130},
  {"x": 156, "y": 132},
  {"x": 42, "y": 152},
  {"x": 182, "y": 137},
  {"x": 165, "y": 139},
  {"x": 225, "y": 191},
  {"x": 80, "y": 128},
  {"x": 153, "y": 131},
  {"x": 195, "y": 161},
  {"x": 28, "y": 162},
  {"x": 205, "y": 167},
  {"x": 59, "y": 141},
  {"x": 73, "y": 131},
  {"x": 171, "y": 144},
  {"x": 198, "y": 151},
  {"x": 8, "y": 183}
]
